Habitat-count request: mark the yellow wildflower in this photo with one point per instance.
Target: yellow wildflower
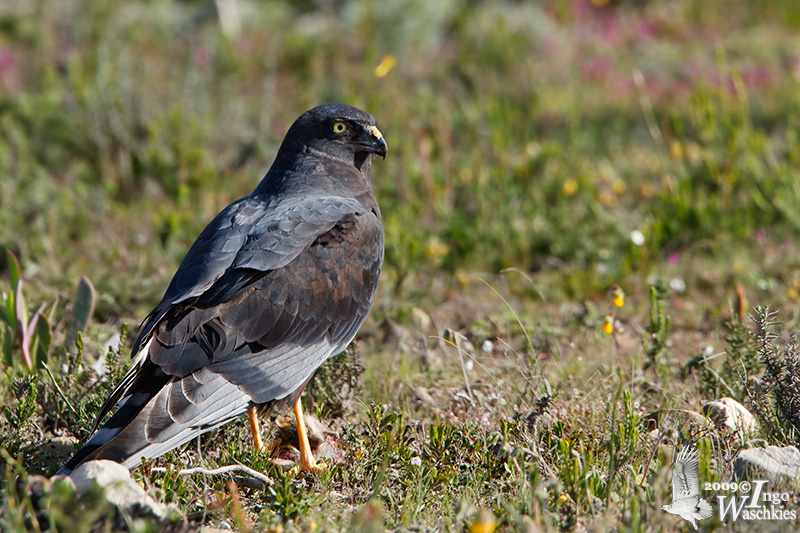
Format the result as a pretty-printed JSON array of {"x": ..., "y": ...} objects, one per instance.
[
  {"x": 436, "y": 250},
  {"x": 385, "y": 66},
  {"x": 618, "y": 295},
  {"x": 485, "y": 523},
  {"x": 570, "y": 187},
  {"x": 608, "y": 325}
]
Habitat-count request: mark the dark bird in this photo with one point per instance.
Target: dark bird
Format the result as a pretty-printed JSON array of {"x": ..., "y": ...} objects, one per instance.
[
  {"x": 277, "y": 283},
  {"x": 686, "y": 500}
]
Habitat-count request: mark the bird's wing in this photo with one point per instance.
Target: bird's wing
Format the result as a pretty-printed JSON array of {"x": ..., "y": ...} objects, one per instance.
[
  {"x": 249, "y": 237},
  {"x": 206, "y": 364},
  {"x": 685, "y": 477},
  {"x": 249, "y": 240},
  {"x": 313, "y": 305}
]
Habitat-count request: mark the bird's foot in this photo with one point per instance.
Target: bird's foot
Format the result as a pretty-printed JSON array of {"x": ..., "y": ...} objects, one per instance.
[
  {"x": 287, "y": 450},
  {"x": 289, "y": 459},
  {"x": 303, "y": 467}
]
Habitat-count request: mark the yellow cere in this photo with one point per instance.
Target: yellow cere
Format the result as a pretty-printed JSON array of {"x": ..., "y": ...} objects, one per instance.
[
  {"x": 339, "y": 127},
  {"x": 375, "y": 132}
]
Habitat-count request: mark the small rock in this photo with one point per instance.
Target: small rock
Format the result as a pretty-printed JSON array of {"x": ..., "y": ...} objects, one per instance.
[
  {"x": 113, "y": 343},
  {"x": 730, "y": 414},
  {"x": 99, "y": 367},
  {"x": 424, "y": 396},
  {"x": 119, "y": 488},
  {"x": 421, "y": 319},
  {"x": 778, "y": 464}
]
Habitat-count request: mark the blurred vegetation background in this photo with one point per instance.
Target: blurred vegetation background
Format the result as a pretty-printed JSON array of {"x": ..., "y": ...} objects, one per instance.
[
  {"x": 534, "y": 135},
  {"x": 583, "y": 144}
]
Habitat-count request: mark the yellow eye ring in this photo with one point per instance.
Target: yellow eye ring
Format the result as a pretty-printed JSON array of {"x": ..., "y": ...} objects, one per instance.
[{"x": 339, "y": 127}]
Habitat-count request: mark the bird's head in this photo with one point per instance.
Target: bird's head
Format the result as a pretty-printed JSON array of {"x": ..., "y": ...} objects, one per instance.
[{"x": 338, "y": 130}]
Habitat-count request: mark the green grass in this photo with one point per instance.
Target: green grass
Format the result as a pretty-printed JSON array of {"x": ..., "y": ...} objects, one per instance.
[{"x": 527, "y": 141}]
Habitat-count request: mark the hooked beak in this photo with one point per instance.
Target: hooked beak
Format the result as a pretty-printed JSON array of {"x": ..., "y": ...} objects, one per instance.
[{"x": 376, "y": 144}]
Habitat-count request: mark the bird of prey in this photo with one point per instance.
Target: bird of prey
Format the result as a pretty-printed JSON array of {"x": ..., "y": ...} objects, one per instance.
[
  {"x": 277, "y": 283},
  {"x": 686, "y": 500}
]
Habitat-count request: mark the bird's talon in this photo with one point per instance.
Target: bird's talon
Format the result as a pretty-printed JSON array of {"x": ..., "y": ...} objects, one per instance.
[{"x": 316, "y": 468}]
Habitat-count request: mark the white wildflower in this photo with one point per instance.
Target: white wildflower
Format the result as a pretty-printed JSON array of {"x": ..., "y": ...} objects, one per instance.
[{"x": 677, "y": 284}]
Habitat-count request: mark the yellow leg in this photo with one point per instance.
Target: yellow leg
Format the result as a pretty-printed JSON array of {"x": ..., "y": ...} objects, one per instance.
[
  {"x": 255, "y": 429},
  {"x": 307, "y": 461}
]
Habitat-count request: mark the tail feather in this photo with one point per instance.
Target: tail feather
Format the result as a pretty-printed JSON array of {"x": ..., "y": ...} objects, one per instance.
[
  {"x": 143, "y": 427},
  {"x": 704, "y": 508},
  {"x": 130, "y": 407},
  {"x": 142, "y": 369}
]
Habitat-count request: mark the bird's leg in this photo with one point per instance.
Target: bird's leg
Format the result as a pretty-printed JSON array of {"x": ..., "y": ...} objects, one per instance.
[
  {"x": 255, "y": 429},
  {"x": 307, "y": 461}
]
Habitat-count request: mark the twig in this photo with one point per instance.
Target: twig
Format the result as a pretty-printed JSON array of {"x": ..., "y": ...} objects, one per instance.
[
  {"x": 650, "y": 459},
  {"x": 463, "y": 368},
  {"x": 221, "y": 470},
  {"x": 510, "y": 308},
  {"x": 58, "y": 389},
  {"x": 647, "y": 108}
]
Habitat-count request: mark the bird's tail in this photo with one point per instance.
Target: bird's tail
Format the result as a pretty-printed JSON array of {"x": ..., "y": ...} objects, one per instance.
[
  {"x": 704, "y": 509},
  {"x": 110, "y": 441},
  {"x": 162, "y": 413}
]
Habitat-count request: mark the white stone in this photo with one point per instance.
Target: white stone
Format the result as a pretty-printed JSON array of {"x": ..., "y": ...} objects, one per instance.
[
  {"x": 118, "y": 487},
  {"x": 779, "y": 464},
  {"x": 730, "y": 414}
]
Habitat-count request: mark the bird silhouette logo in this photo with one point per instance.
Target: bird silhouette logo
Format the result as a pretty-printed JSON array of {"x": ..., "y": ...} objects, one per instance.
[{"x": 686, "y": 500}]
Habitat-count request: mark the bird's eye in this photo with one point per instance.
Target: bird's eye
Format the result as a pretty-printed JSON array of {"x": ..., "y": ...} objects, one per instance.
[{"x": 339, "y": 127}]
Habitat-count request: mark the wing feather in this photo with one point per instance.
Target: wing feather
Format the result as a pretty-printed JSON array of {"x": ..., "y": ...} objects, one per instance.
[
  {"x": 252, "y": 234},
  {"x": 685, "y": 476}
]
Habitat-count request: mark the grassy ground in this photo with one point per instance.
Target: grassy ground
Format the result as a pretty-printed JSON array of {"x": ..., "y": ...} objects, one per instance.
[{"x": 540, "y": 154}]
